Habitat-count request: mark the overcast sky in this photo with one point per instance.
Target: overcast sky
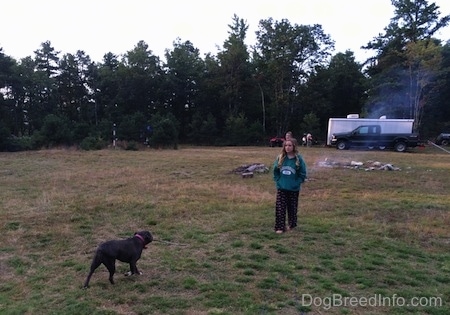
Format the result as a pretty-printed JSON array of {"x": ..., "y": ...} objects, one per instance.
[{"x": 102, "y": 26}]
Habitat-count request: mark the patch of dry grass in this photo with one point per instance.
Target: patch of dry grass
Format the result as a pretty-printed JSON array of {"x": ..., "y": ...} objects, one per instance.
[{"x": 361, "y": 232}]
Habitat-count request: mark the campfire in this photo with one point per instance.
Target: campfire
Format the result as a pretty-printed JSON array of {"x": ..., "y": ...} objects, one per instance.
[
  {"x": 247, "y": 171},
  {"x": 367, "y": 166}
]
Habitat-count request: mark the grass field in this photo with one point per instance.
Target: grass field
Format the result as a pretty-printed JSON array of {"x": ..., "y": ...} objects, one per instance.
[{"x": 368, "y": 241}]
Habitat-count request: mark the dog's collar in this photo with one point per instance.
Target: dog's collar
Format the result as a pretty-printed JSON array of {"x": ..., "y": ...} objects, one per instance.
[{"x": 142, "y": 239}]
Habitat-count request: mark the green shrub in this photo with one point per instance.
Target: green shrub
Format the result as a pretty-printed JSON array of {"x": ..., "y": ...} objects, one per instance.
[
  {"x": 55, "y": 131},
  {"x": 132, "y": 146},
  {"x": 92, "y": 143},
  {"x": 165, "y": 131}
]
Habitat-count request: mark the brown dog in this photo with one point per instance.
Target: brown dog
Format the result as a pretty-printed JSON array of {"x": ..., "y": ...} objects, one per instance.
[{"x": 128, "y": 250}]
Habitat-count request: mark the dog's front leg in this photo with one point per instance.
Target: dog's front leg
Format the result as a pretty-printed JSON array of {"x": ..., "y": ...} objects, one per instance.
[{"x": 133, "y": 269}]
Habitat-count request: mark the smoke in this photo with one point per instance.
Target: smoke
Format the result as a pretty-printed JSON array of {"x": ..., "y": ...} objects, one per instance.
[{"x": 394, "y": 108}]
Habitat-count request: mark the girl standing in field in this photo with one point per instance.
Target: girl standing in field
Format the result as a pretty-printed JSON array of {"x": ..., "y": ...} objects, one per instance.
[{"x": 289, "y": 172}]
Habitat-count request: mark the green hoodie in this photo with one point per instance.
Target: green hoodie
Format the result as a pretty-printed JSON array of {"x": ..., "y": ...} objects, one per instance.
[{"x": 290, "y": 176}]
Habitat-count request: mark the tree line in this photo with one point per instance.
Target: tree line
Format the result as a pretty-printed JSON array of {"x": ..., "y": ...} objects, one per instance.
[{"x": 289, "y": 80}]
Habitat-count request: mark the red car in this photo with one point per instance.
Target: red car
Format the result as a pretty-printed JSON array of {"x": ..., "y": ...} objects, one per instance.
[{"x": 276, "y": 141}]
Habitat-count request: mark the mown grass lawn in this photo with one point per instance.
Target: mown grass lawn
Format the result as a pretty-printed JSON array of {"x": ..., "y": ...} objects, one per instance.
[{"x": 368, "y": 241}]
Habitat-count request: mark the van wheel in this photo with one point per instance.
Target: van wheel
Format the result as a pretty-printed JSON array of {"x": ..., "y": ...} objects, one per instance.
[
  {"x": 400, "y": 146},
  {"x": 342, "y": 145},
  {"x": 381, "y": 147}
]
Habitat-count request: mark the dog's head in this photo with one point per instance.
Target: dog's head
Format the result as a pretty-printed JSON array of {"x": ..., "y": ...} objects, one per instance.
[{"x": 145, "y": 236}]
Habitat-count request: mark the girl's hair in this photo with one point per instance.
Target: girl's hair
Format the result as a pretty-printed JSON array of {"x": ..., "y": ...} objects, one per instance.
[{"x": 283, "y": 153}]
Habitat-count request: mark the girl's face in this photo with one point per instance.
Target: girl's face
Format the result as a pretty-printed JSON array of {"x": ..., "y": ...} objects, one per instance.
[{"x": 288, "y": 146}]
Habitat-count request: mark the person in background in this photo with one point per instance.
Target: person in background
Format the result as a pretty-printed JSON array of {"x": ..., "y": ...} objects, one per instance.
[
  {"x": 289, "y": 172},
  {"x": 288, "y": 135},
  {"x": 309, "y": 140},
  {"x": 304, "y": 140}
]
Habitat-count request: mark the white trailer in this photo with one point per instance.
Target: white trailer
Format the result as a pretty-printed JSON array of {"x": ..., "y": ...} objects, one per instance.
[{"x": 336, "y": 125}]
